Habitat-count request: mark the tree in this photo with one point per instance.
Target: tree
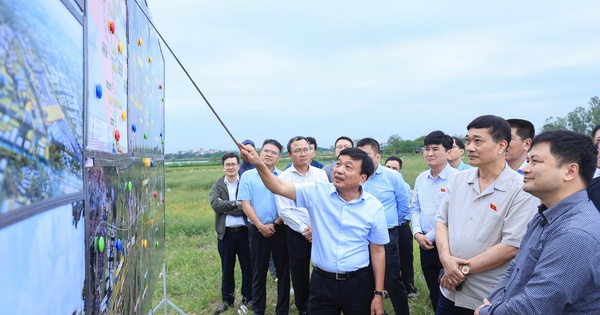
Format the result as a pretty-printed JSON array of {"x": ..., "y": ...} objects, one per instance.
[{"x": 579, "y": 120}]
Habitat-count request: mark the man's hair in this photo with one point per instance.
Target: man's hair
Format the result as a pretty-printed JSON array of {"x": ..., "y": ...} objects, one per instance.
[
  {"x": 498, "y": 127},
  {"x": 371, "y": 142},
  {"x": 228, "y": 156},
  {"x": 459, "y": 142},
  {"x": 525, "y": 128},
  {"x": 394, "y": 158},
  {"x": 346, "y": 138},
  {"x": 294, "y": 139},
  {"x": 595, "y": 130},
  {"x": 312, "y": 141},
  {"x": 273, "y": 142},
  {"x": 571, "y": 147},
  {"x": 438, "y": 137},
  {"x": 367, "y": 166}
]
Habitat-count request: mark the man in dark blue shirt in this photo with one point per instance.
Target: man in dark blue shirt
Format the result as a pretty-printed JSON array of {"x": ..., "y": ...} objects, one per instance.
[{"x": 556, "y": 269}]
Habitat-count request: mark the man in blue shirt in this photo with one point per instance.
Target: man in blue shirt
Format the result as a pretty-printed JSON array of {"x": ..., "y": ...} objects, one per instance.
[
  {"x": 405, "y": 237},
  {"x": 556, "y": 270},
  {"x": 348, "y": 225},
  {"x": 455, "y": 159},
  {"x": 388, "y": 187},
  {"x": 430, "y": 188},
  {"x": 266, "y": 233},
  {"x": 521, "y": 135}
]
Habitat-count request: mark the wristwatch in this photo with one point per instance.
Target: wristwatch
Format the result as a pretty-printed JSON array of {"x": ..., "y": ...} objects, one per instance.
[
  {"x": 383, "y": 293},
  {"x": 465, "y": 269}
]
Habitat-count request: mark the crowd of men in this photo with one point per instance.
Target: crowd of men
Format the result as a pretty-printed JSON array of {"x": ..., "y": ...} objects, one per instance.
[{"x": 515, "y": 231}]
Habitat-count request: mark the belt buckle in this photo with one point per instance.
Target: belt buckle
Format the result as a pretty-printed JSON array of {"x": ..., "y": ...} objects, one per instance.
[{"x": 341, "y": 276}]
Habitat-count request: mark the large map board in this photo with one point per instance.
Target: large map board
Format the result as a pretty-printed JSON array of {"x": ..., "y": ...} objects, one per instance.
[{"x": 82, "y": 203}]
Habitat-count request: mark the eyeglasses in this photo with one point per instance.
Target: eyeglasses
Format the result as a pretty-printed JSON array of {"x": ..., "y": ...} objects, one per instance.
[
  {"x": 300, "y": 151},
  {"x": 228, "y": 165},
  {"x": 271, "y": 152},
  {"x": 434, "y": 149}
]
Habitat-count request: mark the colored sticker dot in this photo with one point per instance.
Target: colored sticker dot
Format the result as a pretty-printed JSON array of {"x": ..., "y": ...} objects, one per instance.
[
  {"x": 140, "y": 41},
  {"x": 123, "y": 115},
  {"x": 145, "y": 135},
  {"x": 133, "y": 128},
  {"x": 98, "y": 91}
]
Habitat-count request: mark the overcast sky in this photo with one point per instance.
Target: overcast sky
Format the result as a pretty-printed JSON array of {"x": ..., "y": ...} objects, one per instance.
[{"x": 277, "y": 69}]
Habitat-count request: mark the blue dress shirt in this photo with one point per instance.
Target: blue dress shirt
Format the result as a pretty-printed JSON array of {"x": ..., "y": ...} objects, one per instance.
[
  {"x": 341, "y": 230},
  {"x": 263, "y": 201},
  {"x": 387, "y": 186},
  {"x": 463, "y": 166},
  {"x": 556, "y": 269},
  {"x": 427, "y": 197}
]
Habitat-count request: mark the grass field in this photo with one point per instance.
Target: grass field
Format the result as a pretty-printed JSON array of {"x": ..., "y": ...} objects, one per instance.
[{"x": 193, "y": 264}]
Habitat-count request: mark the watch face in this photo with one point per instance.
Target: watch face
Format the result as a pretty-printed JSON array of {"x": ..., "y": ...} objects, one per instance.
[{"x": 465, "y": 269}]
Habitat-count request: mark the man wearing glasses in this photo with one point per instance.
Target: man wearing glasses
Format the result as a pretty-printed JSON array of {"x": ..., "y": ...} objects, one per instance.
[
  {"x": 232, "y": 233},
  {"x": 297, "y": 220},
  {"x": 521, "y": 135},
  {"x": 266, "y": 232}
]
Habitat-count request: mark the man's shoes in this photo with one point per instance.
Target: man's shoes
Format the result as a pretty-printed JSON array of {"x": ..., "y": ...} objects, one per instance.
[
  {"x": 412, "y": 296},
  {"x": 222, "y": 308},
  {"x": 247, "y": 303}
]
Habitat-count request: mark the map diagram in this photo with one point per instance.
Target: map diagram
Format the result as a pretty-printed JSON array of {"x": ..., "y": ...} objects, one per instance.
[{"x": 41, "y": 103}]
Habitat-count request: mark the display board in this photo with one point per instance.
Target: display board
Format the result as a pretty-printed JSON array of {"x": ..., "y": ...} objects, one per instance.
[
  {"x": 107, "y": 75},
  {"x": 41, "y": 103},
  {"x": 82, "y": 208}
]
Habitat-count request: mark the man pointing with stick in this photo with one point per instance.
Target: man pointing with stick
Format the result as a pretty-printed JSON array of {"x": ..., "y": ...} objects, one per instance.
[{"x": 348, "y": 224}]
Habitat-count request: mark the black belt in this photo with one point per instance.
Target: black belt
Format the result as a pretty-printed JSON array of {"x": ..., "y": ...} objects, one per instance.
[
  {"x": 236, "y": 228},
  {"x": 339, "y": 275},
  {"x": 405, "y": 222}
]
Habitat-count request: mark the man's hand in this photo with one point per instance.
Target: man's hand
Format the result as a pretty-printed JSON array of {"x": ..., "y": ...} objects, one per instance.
[
  {"x": 452, "y": 274},
  {"x": 377, "y": 305},
  {"x": 267, "y": 230},
  {"x": 307, "y": 233},
  {"x": 485, "y": 302},
  {"x": 423, "y": 241},
  {"x": 249, "y": 154}
]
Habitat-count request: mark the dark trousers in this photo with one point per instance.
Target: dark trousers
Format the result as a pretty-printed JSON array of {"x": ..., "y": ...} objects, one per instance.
[
  {"x": 393, "y": 277},
  {"x": 405, "y": 251},
  {"x": 260, "y": 249},
  {"x": 299, "y": 253},
  {"x": 235, "y": 242},
  {"x": 352, "y": 296},
  {"x": 431, "y": 266},
  {"x": 446, "y": 307}
]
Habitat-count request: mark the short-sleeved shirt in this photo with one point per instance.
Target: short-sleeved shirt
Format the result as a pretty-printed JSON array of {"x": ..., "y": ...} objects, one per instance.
[
  {"x": 427, "y": 198},
  {"x": 388, "y": 187},
  {"x": 263, "y": 201},
  {"x": 341, "y": 230},
  {"x": 477, "y": 221},
  {"x": 297, "y": 218}
]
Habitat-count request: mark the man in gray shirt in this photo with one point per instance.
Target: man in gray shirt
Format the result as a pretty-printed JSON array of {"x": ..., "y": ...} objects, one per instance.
[{"x": 481, "y": 220}]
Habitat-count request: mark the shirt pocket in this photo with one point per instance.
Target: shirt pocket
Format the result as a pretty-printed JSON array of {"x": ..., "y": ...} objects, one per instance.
[{"x": 489, "y": 229}]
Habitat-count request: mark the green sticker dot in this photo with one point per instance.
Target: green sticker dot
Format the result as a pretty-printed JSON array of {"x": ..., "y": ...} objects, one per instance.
[{"x": 101, "y": 244}]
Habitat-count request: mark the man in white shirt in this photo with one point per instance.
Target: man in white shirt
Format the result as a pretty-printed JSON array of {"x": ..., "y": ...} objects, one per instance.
[{"x": 297, "y": 220}]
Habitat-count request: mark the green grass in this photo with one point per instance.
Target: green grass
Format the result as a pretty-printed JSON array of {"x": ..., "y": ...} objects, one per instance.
[{"x": 193, "y": 264}]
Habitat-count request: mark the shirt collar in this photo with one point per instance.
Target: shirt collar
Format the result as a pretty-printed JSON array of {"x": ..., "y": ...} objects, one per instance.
[
  {"x": 443, "y": 174},
  {"x": 561, "y": 207},
  {"x": 500, "y": 183},
  {"x": 237, "y": 178},
  {"x": 333, "y": 191}
]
